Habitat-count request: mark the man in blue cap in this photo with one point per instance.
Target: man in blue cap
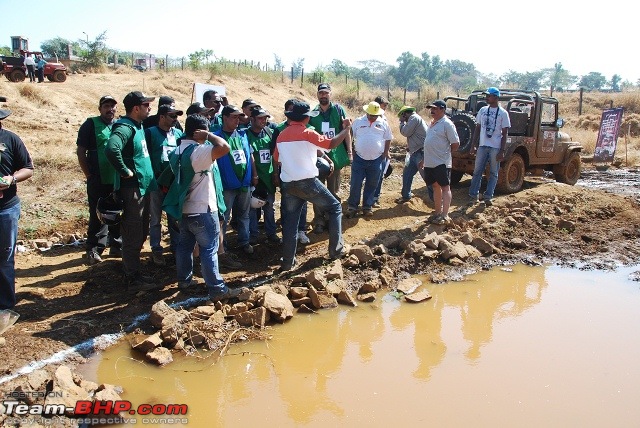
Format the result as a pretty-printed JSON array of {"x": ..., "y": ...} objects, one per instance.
[{"x": 490, "y": 142}]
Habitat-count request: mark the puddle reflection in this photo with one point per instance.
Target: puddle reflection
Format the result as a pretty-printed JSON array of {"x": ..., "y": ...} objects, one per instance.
[{"x": 531, "y": 347}]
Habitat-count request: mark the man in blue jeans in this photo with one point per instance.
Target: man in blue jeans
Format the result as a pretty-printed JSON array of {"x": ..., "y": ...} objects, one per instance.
[
  {"x": 297, "y": 151},
  {"x": 15, "y": 166},
  {"x": 492, "y": 127},
  {"x": 192, "y": 198}
]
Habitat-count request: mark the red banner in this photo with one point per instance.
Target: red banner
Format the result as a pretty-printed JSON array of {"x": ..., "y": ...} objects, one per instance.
[{"x": 608, "y": 135}]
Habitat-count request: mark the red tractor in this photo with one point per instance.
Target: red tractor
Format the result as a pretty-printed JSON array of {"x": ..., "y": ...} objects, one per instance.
[{"x": 13, "y": 68}]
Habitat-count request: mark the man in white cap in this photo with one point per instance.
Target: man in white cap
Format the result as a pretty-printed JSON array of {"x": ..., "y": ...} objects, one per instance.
[
  {"x": 490, "y": 142},
  {"x": 372, "y": 136}
]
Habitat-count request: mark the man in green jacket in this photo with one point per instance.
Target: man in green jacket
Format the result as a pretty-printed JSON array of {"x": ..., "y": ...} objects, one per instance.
[{"x": 134, "y": 180}]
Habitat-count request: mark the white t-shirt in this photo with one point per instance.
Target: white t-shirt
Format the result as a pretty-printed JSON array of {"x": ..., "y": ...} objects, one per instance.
[
  {"x": 492, "y": 120},
  {"x": 201, "y": 196},
  {"x": 370, "y": 137}
]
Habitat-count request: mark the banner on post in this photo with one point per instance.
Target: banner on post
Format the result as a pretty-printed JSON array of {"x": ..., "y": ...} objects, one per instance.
[
  {"x": 608, "y": 135},
  {"x": 200, "y": 88}
]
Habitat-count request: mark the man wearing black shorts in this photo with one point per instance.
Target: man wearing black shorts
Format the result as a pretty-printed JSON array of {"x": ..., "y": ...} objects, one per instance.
[{"x": 442, "y": 138}]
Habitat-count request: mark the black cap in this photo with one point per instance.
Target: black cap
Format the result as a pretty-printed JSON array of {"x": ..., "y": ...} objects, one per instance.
[
  {"x": 136, "y": 98},
  {"x": 249, "y": 103},
  {"x": 259, "y": 112},
  {"x": 438, "y": 103},
  {"x": 197, "y": 108},
  {"x": 107, "y": 99},
  {"x": 299, "y": 110},
  {"x": 165, "y": 109},
  {"x": 381, "y": 100},
  {"x": 324, "y": 87},
  {"x": 231, "y": 109},
  {"x": 166, "y": 99}
]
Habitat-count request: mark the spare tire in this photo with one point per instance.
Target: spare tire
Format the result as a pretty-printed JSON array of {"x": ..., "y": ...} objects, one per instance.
[{"x": 465, "y": 125}]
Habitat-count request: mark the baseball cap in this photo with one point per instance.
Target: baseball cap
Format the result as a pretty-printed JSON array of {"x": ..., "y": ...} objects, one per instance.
[
  {"x": 165, "y": 99},
  {"x": 197, "y": 108},
  {"x": 4, "y": 113},
  {"x": 248, "y": 103},
  {"x": 493, "y": 91},
  {"x": 381, "y": 100},
  {"x": 231, "y": 110},
  {"x": 107, "y": 99},
  {"x": 324, "y": 87},
  {"x": 136, "y": 98},
  {"x": 259, "y": 112},
  {"x": 165, "y": 109},
  {"x": 438, "y": 103},
  {"x": 299, "y": 110}
]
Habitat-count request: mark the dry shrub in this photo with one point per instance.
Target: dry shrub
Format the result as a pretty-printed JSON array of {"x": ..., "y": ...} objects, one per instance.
[{"x": 33, "y": 93}]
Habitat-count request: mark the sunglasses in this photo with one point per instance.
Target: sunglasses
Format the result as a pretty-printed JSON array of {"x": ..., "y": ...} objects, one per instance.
[
  {"x": 145, "y": 104},
  {"x": 173, "y": 116}
]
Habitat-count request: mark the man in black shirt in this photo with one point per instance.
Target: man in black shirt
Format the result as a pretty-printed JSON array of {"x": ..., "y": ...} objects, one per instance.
[
  {"x": 15, "y": 166},
  {"x": 152, "y": 120},
  {"x": 92, "y": 139}
]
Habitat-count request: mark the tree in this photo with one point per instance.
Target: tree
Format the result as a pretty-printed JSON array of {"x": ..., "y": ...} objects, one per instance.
[
  {"x": 5, "y": 50},
  {"x": 615, "y": 82},
  {"x": 59, "y": 47},
  {"x": 277, "y": 62},
  {"x": 195, "y": 59},
  {"x": 558, "y": 78},
  {"x": 96, "y": 51},
  {"x": 592, "y": 81},
  {"x": 408, "y": 72},
  {"x": 339, "y": 68},
  {"x": 298, "y": 66}
]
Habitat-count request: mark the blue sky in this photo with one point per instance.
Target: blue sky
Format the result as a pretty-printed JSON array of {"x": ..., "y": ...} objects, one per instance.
[{"x": 496, "y": 36}]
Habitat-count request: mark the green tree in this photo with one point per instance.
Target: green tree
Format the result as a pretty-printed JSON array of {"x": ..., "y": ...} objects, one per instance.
[
  {"x": 5, "y": 50},
  {"x": 558, "y": 78},
  {"x": 615, "y": 82},
  {"x": 58, "y": 46},
  {"x": 593, "y": 81},
  {"x": 195, "y": 59},
  {"x": 298, "y": 66},
  {"x": 277, "y": 62},
  {"x": 339, "y": 68},
  {"x": 96, "y": 52},
  {"x": 410, "y": 69}
]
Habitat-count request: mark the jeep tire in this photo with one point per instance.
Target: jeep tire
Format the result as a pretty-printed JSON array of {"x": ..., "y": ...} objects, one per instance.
[
  {"x": 465, "y": 124},
  {"x": 17, "y": 75},
  {"x": 59, "y": 76},
  {"x": 511, "y": 174},
  {"x": 569, "y": 171}
]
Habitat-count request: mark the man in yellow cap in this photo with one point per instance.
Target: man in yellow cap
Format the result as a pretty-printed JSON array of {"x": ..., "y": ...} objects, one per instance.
[{"x": 372, "y": 136}]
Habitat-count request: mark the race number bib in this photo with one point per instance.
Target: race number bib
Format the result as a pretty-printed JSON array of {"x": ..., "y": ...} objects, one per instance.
[
  {"x": 166, "y": 151},
  {"x": 265, "y": 156},
  {"x": 145, "y": 152},
  {"x": 327, "y": 130},
  {"x": 238, "y": 157}
]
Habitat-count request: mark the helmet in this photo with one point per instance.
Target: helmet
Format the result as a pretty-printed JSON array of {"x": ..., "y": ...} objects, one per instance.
[
  {"x": 324, "y": 169},
  {"x": 109, "y": 209},
  {"x": 258, "y": 198}
]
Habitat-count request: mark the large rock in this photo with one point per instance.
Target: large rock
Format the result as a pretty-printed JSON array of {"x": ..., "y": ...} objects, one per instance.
[
  {"x": 408, "y": 285},
  {"x": 483, "y": 246},
  {"x": 280, "y": 306},
  {"x": 431, "y": 240},
  {"x": 362, "y": 252},
  {"x": 386, "y": 276},
  {"x": 418, "y": 296},
  {"x": 160, "y": 356},
  {"x": 298, "y": 292},
  {"x": 160, "y": 311},
  {"x": 203, "y": 312},
  {"x": 258, "y": 317},
  {"x": 335, "y": 271},
  {"x": 346, "y": 299},
  {"x": 317, "y": 278},
  {"x": 322, "y": 299},
  {"x": 69, "y": 393},
  {"x": 145, "y": 344}
]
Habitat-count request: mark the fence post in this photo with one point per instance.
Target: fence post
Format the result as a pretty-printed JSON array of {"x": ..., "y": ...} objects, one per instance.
[
  {"x": 301, "y": 77},
  {"x": 182, "y": 64},
  {"x": 357, "y": 88},
  {"x": 388, "y": 91},
  {"x": 292, "y": 75},
  {"x": 418, "y": 95},
  {"x": 346, "y": 79},
  {"x": 580, "y": 102},
  {"x": 404, "y": 100}
]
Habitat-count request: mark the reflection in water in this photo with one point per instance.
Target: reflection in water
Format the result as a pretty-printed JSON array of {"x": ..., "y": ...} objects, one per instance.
[{"x": 533, "y": 347}]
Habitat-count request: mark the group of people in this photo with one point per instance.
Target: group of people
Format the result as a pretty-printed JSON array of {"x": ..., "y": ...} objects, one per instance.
[
  {"x": 224, "y": 167},
  {"x": 35, "y": 66}
]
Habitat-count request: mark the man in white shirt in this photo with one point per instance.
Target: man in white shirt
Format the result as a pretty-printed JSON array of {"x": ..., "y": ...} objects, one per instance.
[
  {"x": 372, "y": 136},
  {"x": 30, "y": 63}
]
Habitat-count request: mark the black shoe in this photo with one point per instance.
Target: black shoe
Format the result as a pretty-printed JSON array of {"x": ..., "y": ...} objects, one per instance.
[
  {"x": 229, "y": 294},
  {"x": 115, "y": 252},
  {"x": 274, "y": 239},
  {"x": 318, "y": 229},
  {"x": 138, "y": 282}
]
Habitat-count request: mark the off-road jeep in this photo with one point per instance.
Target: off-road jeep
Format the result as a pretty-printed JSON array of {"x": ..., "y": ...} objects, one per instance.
[
  {"x": 14, "y": 70},
  {"x": 534, "y": 143}
]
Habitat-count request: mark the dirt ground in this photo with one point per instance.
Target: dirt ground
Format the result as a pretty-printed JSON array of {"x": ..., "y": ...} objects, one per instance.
[{"x": 62, "y": 302}]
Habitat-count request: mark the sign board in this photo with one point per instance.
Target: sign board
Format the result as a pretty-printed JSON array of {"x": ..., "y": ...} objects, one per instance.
[
  {"x": 608, "y": 135},
  {"x": 200, "y": 88}
]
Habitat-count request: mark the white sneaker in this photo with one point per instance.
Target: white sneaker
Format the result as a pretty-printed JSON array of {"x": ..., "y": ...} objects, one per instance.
[{"x": 303, "y": 238}]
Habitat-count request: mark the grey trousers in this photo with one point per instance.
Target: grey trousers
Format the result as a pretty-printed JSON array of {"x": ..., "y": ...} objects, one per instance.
[{"x": 134, "y": 228}]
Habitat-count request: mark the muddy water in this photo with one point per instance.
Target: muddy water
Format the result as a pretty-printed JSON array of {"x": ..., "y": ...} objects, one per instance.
[{"x": 529, "y": 347}]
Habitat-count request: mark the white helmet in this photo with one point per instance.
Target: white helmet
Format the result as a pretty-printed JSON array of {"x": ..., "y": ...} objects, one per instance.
[{"x": 258, "y": 199}]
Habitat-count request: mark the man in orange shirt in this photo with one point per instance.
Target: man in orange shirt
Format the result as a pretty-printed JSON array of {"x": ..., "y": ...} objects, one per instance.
[{"x": 297, "y": 151}]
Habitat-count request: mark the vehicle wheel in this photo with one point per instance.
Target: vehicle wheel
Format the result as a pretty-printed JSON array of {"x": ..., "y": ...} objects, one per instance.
[
  {"x": 569, "y": 171},
  {"x": 59, "y": 76},
  {"x": 466, "y": 126},
  {"x": 511, "y": 175},
  {"x": 49, "y": 77},
  {"x": 456, "y": 176},
  {"x": 17, "y": 75}
]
